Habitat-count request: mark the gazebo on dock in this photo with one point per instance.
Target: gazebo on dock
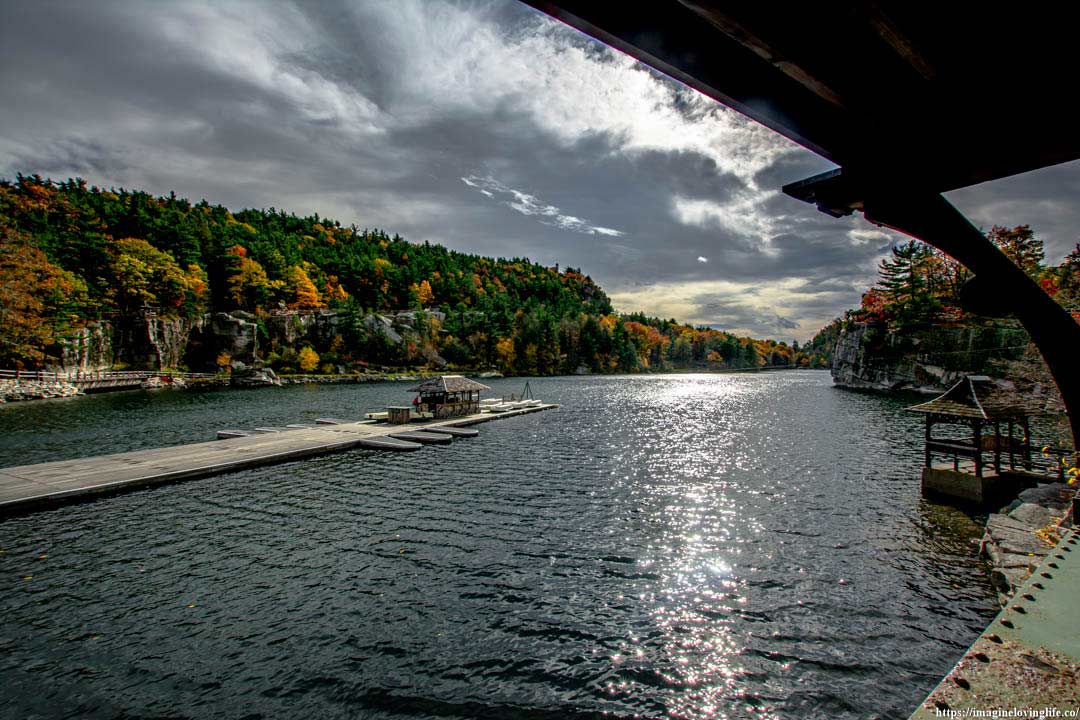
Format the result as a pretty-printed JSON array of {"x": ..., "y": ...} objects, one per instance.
[
  {"x": 998, "y": 420},
  {"x": 448, "y": 396}
]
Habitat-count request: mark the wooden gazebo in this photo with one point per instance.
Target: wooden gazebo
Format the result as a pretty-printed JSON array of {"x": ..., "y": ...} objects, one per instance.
[
  {"x": 448, "y": 396},
  {"x": 997, "y": 416}
]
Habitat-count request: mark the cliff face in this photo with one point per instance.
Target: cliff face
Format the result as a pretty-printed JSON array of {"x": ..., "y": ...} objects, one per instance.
[
  {"x": 930, "y": 359},
  {"x": 147, "y": 342},
  {"x": 151, "y": 342},
  {"x": 89, "y": 349}
]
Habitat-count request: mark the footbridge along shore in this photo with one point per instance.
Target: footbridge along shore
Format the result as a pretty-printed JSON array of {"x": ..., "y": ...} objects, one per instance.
[{"x": 41, "y": 486}]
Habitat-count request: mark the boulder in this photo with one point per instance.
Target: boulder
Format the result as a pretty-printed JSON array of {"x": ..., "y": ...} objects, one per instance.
[
  {"x": 1053, "y": 495},
  {"x": 253, "y": 377},
  {"x": 1034, "y": 515}
]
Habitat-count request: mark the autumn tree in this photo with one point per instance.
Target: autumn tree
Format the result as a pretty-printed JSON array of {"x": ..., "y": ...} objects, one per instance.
[
  {"x": 1019, "y": 245},
  {"x": 144, "y": 275},
  {"x": 248, "y": 285},
  {"x": 304, "y": 293},
  {"x": 504, "y": 349},
  {"x": 334, "y": 292},
  {"x": 308, "y": 359},
  {"x": 420, "y": 294},
  {"x": 37, "y": 300}
]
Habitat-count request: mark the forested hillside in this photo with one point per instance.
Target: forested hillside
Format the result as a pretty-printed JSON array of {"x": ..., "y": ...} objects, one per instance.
[{"x": 73, "y": 256}]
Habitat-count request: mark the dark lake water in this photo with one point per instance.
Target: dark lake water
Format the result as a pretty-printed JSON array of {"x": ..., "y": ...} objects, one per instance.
[{"x": 685, "y": 546}]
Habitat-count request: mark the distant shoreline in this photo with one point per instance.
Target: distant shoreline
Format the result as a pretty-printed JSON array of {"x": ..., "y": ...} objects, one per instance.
[{"x": 26, "y": 391}]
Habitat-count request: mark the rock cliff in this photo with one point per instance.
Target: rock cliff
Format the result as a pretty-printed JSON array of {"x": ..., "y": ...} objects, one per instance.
[
  {"x": 153, "y": 342},
  {"x": 931, "y": 359}
]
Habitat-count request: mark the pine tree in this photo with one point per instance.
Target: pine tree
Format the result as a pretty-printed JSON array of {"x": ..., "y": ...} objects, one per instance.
[{"x": 903, "y": 282}]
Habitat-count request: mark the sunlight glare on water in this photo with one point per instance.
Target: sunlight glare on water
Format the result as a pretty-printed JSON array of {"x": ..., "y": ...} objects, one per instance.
[{"x": 683, "y": 546}]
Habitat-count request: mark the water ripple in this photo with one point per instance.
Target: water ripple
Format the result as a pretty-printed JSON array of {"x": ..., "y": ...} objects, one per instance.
[{"x": 669, "y": 546}]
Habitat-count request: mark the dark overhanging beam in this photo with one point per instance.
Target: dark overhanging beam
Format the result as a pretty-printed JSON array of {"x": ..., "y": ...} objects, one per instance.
[{"x": 671, "y": 41}]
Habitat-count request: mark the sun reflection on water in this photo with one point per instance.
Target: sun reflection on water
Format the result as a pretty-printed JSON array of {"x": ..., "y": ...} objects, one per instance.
[{"x": 683, "y": 477}]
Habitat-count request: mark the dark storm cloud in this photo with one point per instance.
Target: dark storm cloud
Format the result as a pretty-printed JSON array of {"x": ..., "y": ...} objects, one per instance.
[{"x": 373, "y": 112}]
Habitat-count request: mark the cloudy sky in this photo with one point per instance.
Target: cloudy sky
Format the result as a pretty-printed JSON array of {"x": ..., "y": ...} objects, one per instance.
[{"x": 483, "y": 126}]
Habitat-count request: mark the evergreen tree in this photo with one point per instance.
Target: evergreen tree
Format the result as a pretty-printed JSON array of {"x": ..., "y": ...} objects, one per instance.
[{"x": 903, "y": 282}]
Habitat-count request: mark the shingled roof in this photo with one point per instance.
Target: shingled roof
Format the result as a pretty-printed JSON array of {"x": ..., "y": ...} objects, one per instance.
[
  {"x": 448, "y": 384},
  {"x": 981, "y": 398}
]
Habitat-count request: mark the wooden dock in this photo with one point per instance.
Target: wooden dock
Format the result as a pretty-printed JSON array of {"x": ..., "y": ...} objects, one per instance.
[{"x": 26, "y": 487}]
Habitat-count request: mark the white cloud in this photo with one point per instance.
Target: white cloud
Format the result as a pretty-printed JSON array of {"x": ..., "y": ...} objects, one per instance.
[
  {"x": 870, "y": 236},
  {"x": 528, "y": 204},
  {"x": 258, "y": 44},
  {"x": 455, "y": 57},
  {"x": 775, "y": 309},
  {"x": 743, "y": 216}
]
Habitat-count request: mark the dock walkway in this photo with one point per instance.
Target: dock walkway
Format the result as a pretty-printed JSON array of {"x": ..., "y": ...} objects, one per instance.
[{"x": 26, "y": 487}]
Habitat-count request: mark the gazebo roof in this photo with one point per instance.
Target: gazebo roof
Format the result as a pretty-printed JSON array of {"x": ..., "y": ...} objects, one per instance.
[
  {"x": 448, "y": 384},
  {"x": 978, "y": 397}
]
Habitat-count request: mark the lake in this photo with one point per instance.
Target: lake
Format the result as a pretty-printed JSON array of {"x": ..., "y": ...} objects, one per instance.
[{"x": 686, "y": 546}]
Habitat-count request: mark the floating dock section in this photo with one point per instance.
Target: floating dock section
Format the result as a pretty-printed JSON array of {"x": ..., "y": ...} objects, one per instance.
[{"x": 28, "y": 487}]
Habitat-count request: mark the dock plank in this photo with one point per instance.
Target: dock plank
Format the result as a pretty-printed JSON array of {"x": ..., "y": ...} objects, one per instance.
[{"x": 25, "y": 487}]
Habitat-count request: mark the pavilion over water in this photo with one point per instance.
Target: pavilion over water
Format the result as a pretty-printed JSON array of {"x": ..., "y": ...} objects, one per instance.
[
  {"x": 995, "y": 421},
  {"x": 447, "y": 396},
  {"x": 986, "y": 406}
]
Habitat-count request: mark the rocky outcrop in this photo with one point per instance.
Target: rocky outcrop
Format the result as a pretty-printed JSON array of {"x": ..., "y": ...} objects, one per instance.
[
  {"x": 1016, "y": 542},
  {"x": 384, "y": 325},
  {"x": 869, "y": 356},
  {"x": 242, "y": 376},
  {"x": 15, "y": 390},
  {"x": 153, "y": 342}
]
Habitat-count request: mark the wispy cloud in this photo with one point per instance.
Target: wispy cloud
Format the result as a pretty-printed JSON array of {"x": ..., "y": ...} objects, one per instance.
[{"x": 528, "y": 204}]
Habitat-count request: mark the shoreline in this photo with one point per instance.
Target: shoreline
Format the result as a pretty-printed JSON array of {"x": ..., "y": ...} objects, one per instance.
[{"x": 11, "y": 390}]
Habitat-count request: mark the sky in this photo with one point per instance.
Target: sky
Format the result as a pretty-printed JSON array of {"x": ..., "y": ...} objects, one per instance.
[{"x": 483, "y": 126}]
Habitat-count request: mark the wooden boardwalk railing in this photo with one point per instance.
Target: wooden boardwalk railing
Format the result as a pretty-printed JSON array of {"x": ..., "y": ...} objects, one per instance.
[{"x": 98, "y": 379}]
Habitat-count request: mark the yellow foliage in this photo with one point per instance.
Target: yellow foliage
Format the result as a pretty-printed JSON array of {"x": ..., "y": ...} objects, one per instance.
[
  {"x": 306, "y": 295},
  {"x": 424, "y": 293},
  {"x": 308, "y": 359},
  {"x": 505, "y": 350}
]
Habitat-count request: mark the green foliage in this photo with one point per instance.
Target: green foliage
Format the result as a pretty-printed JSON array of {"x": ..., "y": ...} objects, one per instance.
[
  {"x": 115, "y": 251},
  {"x": 905, "y": 282}
]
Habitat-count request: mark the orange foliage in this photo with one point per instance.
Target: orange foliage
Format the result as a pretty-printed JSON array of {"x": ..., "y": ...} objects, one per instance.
[{"x": 306, "y": 296}]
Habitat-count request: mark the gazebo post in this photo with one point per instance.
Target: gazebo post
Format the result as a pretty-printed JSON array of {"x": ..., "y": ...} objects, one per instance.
[
  {"x": 926, "y": 449},
  {"x": 1027, "y": 443},
  {"x": 977, "y": 426},
  {"x": 997, "y": 445},
  {"x": 1012, "y": 450}
]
